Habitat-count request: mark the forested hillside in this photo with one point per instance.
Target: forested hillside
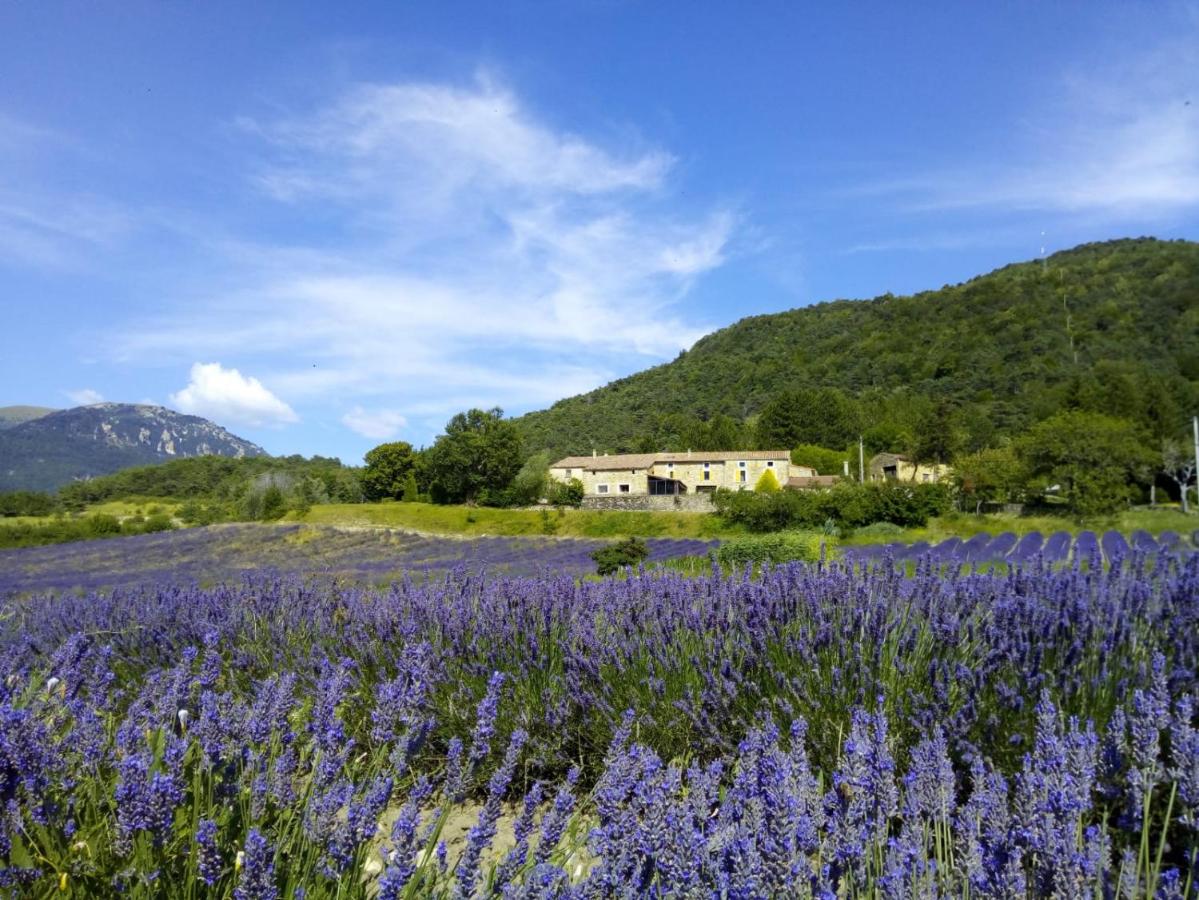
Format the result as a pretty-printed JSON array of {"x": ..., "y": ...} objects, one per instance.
[{"x": 1110, "y": 327}]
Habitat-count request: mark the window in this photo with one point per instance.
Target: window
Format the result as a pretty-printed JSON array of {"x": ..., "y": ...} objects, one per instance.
[
  {"x": 770, "y": 463},
  {"x": 927, "y": 477},
  {"x": 707, "y": 474},
  {"x": 670, "y": 467},
  {"x": 743, "y": 476},
  {"x": 568, "y": 473},
  {"x": 601, "y": 489},
  {"x": 624, "y": 488},
  {"x": 741, "y": 464}
]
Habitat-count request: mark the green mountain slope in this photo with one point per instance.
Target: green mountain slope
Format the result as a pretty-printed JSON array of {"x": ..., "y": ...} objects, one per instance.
[
  {"x": 1112, "y": 325},
  {"x": 81, "y": 443},
  {"x": 15, "y": 415}
]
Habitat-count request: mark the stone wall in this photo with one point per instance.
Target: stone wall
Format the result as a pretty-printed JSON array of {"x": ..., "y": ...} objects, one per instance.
[{"x": 646, "y": 502}]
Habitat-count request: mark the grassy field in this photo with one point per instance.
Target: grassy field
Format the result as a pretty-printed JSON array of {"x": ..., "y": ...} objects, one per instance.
[
  {"x": 595, "y": 523},
  {"x": 578, "y": 523},
  {"x": 965, "y": 525},
  {"x": 514, "y": 522}
]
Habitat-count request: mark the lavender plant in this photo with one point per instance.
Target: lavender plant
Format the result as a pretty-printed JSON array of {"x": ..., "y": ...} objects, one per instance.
[{"x": 837, "y": 730}]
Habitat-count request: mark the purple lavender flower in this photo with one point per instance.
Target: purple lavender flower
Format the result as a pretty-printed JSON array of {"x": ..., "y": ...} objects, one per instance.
[
  {"x": 480, "y": 836},
  {"x": 522, "y": 830},
  {"x": 257, "y": 879},
  {"x": 208, "y": 856},
  {"x": 557, "y": 818}
]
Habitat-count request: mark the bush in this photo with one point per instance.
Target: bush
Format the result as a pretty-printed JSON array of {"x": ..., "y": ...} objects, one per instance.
[
  {"x": 823, "y": 460},
  {"x": 880, "y": 530},
  {"x": 568, "y": 493},
  {"x": 157, "y": 522},
  {"x": 611, "y": 559},
  {"x": 780, "y": 547},
  {"x": 845, "y": 505},
  {"x": 100, "y": 525},
  {"x": 768, "y": 483}
]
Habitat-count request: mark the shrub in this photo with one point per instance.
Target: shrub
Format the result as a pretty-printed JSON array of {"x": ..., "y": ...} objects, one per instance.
[
  {"x": 881, "y": 530},
  {"x": 779, "y": 547},
  {"x": 158, "y": 522},
  {"x": 101, "y": 524},
  {"x": 768, "y": 483},
  {"x": 846, "y": 505},
  {"x": 611, "y": 559},
  {"x": 568, "y": 493},
  {"x": 411, "y": 491}
]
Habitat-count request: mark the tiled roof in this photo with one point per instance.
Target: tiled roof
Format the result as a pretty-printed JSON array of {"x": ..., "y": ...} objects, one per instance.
[{"x": 645, "y": 460}]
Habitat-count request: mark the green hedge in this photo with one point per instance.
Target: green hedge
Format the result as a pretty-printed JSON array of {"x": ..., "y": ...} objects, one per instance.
[
  {"x": 779, "y": 547},
  {"x": 847, "y": 505}
]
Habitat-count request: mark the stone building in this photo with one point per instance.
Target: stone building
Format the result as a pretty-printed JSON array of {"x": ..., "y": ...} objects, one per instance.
[
  {"x": 675, "y": 474},
  {"x": 894, "y": 467}
]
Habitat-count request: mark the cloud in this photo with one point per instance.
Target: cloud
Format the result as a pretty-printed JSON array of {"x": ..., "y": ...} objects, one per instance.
[
  {"x": 463, "y": 252},
  {"x": 85, "y": 397},
  {"x": 228, "y": 396},
  {"x": 1121, "y": 142},
  {"x": 431, "y": 142},
  {"x": 47, "y": 227},
  {"x": 377, "y": 424}
]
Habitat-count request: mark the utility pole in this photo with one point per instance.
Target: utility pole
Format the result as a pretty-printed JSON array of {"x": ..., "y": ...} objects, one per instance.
[
  {"x": 862, "y": 459},
  {"x": 1195, "y": 425}
]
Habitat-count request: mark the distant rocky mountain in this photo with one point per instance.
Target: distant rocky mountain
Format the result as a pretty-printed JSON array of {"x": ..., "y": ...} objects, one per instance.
[
  {"x": 15, "y": 415},
  {"x": 68, "y": 445}
]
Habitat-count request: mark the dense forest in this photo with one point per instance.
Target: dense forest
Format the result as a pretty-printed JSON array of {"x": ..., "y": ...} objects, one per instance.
[{"x": 1110, "y": 327}]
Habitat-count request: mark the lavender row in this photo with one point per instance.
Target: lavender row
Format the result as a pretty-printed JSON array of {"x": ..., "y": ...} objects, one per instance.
[{"x": 1059, "y": 547}]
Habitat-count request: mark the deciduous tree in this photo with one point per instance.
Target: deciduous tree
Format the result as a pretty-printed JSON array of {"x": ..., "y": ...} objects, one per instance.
[{"x": 387, "y": 470}]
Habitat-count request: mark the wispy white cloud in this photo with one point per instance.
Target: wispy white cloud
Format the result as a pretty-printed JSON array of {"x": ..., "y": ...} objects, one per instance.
[
  {"x": 41, "y": 226},
  {"x": 84, "y": 396},
  {"x": 467, "y": 253},
  {"x": 1122, "y": 142},
  {"x": 228, "y": 396},
  {"x": 376, "y": 424}
]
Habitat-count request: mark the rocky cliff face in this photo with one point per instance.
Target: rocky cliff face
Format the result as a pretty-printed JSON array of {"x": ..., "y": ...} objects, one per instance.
[{"x": 95, "y": 440}]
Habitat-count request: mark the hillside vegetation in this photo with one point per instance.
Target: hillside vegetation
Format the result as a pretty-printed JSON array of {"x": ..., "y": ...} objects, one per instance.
[{"x": 1110, "y": 327}]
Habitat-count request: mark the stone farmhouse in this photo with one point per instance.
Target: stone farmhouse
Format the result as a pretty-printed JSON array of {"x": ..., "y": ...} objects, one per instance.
[
  {"x": 672, "y": 476},
  {"x": 894, "y": 467}
]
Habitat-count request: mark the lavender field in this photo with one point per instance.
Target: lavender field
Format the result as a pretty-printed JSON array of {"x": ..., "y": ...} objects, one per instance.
[
  {"x": 1062, "y": 547},
  {"x": 361, "y": 556},
  {"x": 831, "y": 731}
]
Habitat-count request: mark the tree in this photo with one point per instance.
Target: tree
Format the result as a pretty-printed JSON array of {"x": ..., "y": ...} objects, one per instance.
[
  {"x": 529, "y": 485},
  {"x": 935, "y": 436},
  {"x": 1178, "y": 465},
  {"x": 1095, "y": 460},
  {"x": 611, "y": 559},
  {"x": 824, "y": 416},
  {"x": 387, "y": 468},
  {"x": 411, "y": 491},
  {"x": 480, "y": 452},
  {"x": 993, "y": 475},
  {"x": 768, "y": 483},
  {"x": 823, "y": 460},
  {"x": 274, "y": 504}
]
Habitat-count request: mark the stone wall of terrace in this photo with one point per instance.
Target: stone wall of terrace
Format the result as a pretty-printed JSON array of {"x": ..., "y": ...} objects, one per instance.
[{"x": 648, "y": 503}]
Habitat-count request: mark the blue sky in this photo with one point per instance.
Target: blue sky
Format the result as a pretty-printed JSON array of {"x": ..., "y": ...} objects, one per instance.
[{"x": 326, "y": 225}]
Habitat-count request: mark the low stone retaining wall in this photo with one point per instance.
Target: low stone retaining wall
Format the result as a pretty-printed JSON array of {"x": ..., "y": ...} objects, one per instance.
[{"x": 653, "y": 503}]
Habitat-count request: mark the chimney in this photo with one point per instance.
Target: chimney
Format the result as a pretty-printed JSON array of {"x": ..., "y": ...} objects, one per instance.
[
  {"x": 689, "y": 452},
  {"x": 593, "y": 453},
  {"x": 845, "y": 464}
]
